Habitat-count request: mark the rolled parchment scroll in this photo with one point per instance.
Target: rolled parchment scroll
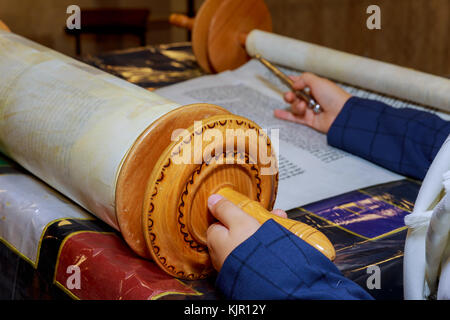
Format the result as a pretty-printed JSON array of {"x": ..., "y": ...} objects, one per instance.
[{"x": 406, "y": 84}]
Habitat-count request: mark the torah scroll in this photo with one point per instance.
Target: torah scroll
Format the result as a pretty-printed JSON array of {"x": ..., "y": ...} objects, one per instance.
[
  {"x": 109, "y": 146},
  {"x": 381, "y": 77}
]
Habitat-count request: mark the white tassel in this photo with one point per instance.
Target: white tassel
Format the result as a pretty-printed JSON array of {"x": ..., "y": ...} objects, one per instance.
[{"x": 418, "y": 220}]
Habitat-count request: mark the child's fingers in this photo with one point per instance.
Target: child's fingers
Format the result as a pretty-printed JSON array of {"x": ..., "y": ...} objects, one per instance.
[
  {"x": 299, "y": 83},
  {"x": 309, "y": 79},
  {"x": 217, "y": 237},
  {"x": 289, "y": 116},
  {"x": 294, "y": 78},
  {"x": 289, "y": 97},
  {"x": 280, "y": 213},
  {"x": 315, "y": 83},
  {"x": 299, "y": 108},
  {"x": 216, "y": 233},
  {"x": 224, "y": 210}
]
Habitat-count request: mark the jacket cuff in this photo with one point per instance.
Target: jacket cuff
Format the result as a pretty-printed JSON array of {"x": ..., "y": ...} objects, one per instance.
[
  {"x": 336, "y": 132},
  {"x": 231, "y": 268}
]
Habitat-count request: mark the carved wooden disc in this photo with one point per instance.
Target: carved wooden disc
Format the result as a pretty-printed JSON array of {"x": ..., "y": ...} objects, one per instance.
[
  {"x": 200, "y": 32},
  {"x": 233, "y": 20},
  {"x": 138, "y": 165},
  {"x": 175, "y": 216}
]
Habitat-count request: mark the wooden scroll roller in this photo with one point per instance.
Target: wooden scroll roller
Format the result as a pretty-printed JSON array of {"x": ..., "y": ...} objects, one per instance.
[
  {"x": 141, "y": 163},
  {"x": 220, "y": 29}
]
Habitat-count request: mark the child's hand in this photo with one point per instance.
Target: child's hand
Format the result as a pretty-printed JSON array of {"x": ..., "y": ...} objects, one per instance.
[
  {"x": 234, "y": 227},
  {"x": 326, "y": 93}
]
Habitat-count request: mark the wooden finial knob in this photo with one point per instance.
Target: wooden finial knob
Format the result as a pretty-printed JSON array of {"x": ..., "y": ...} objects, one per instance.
[{"x": 182, "y": 21}]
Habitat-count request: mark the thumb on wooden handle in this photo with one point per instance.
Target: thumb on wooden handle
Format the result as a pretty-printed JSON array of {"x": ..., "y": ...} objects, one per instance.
[{"x": 307, "y": 233}]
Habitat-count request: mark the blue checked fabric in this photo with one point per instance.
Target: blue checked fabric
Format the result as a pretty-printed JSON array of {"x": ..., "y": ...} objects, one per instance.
[
  {"x": 403, "y": 140},
  {"x": 275, "y": 264}
]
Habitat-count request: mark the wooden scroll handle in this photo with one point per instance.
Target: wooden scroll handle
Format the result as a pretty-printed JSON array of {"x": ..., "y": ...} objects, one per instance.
[
  {"x": 307, "y": 233},
  {"x": 182, "y": 21}
]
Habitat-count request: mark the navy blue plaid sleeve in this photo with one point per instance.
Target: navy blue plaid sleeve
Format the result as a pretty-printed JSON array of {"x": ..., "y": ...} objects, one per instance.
[
  {"x": 403, "y": 140},
  {"x": 275, "y": 264}
]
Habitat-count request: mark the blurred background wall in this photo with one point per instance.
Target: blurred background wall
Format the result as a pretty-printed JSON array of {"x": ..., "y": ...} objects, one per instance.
[
  {"x": 414, "y": 33},
  {"x": 44, "y": 21}
]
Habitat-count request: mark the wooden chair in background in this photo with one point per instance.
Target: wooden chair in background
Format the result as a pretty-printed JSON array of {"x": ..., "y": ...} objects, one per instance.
[{"x": 112, "y": 21}]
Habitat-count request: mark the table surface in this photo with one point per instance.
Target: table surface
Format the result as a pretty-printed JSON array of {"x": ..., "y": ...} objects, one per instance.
[{"x": 366, "y": 226}]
